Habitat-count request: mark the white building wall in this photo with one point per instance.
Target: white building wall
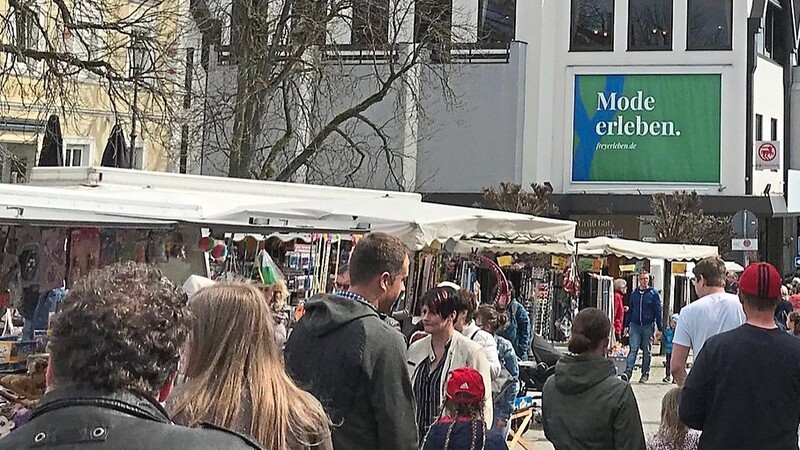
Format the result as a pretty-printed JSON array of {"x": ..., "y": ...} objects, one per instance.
[
  {"x": 556, "y": 96},
  {"x": 768, "y": 101}
]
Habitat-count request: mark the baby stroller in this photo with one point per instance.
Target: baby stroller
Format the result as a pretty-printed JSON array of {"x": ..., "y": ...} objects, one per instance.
[{"x": 533, "y": 374}]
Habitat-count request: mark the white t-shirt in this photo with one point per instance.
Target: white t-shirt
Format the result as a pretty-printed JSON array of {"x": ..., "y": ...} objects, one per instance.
[{"x": 707, "y": 317}]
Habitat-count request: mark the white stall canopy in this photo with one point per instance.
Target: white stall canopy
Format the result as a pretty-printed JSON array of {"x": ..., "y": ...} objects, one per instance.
[
  {"x": 599, "y": 246},
  {"x": 645, "y": 250},
  {"x": 248, "y": 205}
]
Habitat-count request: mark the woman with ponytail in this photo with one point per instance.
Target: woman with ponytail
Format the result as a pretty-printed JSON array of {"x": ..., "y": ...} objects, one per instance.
[
  {"x": 585, "y": 405},
  {"x": 462, "y": 425}
]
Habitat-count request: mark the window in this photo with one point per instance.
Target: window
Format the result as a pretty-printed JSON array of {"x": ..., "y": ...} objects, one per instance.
[
  {"x": 497, "y": 21},
  {"x": 26, "y": 27},
  {"x": 759, "y": 127},
  {"x": 309, "y": 22},
  {"x": 709, "y": 25},
  {"x": 765, "y": 39},
  {"x": 773, "y": 133},
  {"x": 432, "y": 22},
  {"x": 650, "y": 25},
  {"x": 76, "y": 155},
  {"x": 592, "y": 26},
  {"x": 85, "y": 43},
  {"x": 370, "y": 23}
]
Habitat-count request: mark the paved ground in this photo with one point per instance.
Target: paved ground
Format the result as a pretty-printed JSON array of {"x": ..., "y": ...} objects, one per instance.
[{"x": 648, "y": 395}]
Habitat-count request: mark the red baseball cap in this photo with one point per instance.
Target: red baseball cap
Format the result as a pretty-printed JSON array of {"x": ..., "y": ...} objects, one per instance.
[
  {"x": 761, "y": 280},
  {"x": 465, "y": 386}
]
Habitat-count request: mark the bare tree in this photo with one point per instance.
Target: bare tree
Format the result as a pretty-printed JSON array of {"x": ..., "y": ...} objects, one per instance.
[
  {"x": 679, "y": 219},
  {"x": 512, "y": 197},
  {"x": 54, "y": 55},
  {"x": 297, "y": 101}
]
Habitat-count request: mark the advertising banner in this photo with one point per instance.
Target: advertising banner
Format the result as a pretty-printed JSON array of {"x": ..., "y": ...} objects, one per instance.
[{"x": 647, "y": 128}]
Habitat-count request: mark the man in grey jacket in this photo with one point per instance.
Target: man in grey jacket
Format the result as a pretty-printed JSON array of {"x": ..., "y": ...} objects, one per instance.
[{"x": 354, "y": 362}]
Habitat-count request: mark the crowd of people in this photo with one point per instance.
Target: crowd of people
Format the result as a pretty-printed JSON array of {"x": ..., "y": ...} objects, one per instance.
[
  {"x": 136, "y": 363},
  {"x": 742, "y": 392}
]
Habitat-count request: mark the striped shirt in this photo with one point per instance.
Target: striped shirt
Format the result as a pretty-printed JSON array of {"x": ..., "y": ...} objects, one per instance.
[{"x": 428, "y": 394}]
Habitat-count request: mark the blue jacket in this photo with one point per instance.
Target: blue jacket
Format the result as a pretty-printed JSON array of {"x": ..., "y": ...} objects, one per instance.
[
  {"x": 669, "y": 333},
  {"x": 518, "y": 330},
  {"x": 645, "y": 308},
  {"x": 461, "y": 438},
  {"x": 504, "y": 403}
]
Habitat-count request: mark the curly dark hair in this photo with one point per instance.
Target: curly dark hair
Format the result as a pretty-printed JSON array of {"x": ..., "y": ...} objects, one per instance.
[{"x": 120, "y": 328}]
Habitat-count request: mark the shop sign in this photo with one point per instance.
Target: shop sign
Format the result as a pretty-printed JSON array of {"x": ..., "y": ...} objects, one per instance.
[
  {"x": 744, "y": 245},
  {"x": 505, "y": 261},
  {"x": 678, "y": 268},
  {"x": 768, "y": 155},
  {"x": 627, "y": 268},
  {"x": 589, "y": 226},
  {"x": 646, "y": 128},
  {"x": 558, "y": 262}
]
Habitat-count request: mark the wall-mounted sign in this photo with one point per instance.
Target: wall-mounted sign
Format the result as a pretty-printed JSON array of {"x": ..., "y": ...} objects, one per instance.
[
  {"x": 590, "y": 226},
  {"x": 647, "y": 128},
  {"x": 744, "y": 245},
  {"x": 768, "y": 155}
]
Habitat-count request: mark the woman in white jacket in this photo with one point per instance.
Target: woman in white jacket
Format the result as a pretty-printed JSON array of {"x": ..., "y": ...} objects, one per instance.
[{"x": 433, "y": 358}]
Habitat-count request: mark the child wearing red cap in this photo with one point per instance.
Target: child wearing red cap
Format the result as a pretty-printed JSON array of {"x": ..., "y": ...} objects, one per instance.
[{"x": 462, "y": 425}]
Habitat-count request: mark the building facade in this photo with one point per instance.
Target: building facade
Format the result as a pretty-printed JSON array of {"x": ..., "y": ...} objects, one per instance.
[
  {"x": 31, "y": 91},
  {"x": 607, "y": 101}
]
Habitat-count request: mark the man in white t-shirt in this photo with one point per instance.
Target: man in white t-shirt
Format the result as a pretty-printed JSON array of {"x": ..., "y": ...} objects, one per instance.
[{"x": 713, "y": 313}]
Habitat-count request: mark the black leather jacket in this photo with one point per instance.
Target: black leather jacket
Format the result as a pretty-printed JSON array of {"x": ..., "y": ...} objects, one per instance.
[{"x": 70, "y": 418}]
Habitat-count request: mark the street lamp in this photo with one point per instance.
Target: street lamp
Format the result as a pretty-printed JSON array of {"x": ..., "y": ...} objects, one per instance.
[{"x": 138, "y": 57}]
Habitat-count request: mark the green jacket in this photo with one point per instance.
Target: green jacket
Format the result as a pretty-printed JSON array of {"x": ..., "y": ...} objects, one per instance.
[
  {"x": 586, "y": 407},
  {"x": 354, "y": 363}
]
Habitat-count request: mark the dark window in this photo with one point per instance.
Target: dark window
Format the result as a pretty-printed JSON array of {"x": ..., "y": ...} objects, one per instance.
[
  {"x": 370, "y": 23},
  {"x": 592, "y": 25},
  {"x": 759, "y": 127},
  {"x": 309, "y": 22},
  {"x": 773, "y": 129},
  {"x": 709, "y": 25},
  {"x": 650, "y": 25},
  {"x": 768, "y": 31},
  {"x": 497, "y": 21},
  {"x": 183, "y": 161},
  {"x": 432, "y": 22}
]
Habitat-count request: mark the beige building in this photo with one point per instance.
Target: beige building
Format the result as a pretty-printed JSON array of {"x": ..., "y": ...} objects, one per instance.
[{"x": 30, "y": 93}]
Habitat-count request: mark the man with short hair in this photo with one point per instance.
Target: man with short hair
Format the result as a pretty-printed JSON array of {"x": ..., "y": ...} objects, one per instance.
[
  {"x": 354, "y": 362},
  {"x": 642, "y": 322},
  {"x": 114, "y": 352},
  {"x": 342, "y": 282},
  {"x": 714, "y": 312},
  {"x": 744, "y": 389}
]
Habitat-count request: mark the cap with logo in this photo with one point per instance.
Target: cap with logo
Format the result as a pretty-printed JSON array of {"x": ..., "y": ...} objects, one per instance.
[
  {"x": 465, "y": 386},
  {"x": 761, "y": 280}
]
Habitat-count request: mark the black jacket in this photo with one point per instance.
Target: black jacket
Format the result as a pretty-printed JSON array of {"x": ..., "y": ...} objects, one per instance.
[
  {"x": 585, "y": 406},
  {"x": 355, "y": 364},
  {"x": 69, "y": 419}
]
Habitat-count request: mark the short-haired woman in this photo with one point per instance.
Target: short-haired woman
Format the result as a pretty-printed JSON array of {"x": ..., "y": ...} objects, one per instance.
[
  {"x": 236, "y": 377},
  {"x": 585, "y": 405},
  {"x": 432, "y": 358}
]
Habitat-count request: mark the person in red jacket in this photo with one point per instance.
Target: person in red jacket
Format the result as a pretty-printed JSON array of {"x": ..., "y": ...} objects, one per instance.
[{"x": 620, "y": 288}]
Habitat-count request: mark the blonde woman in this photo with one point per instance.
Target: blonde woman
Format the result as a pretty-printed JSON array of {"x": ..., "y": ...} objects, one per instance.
[
  {"x": 236, "y": 377},
  {"x": 672, "y": 434}
]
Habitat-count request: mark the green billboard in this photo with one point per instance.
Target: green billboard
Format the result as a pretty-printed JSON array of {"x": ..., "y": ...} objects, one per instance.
[{"x": 646, "y": 128}]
